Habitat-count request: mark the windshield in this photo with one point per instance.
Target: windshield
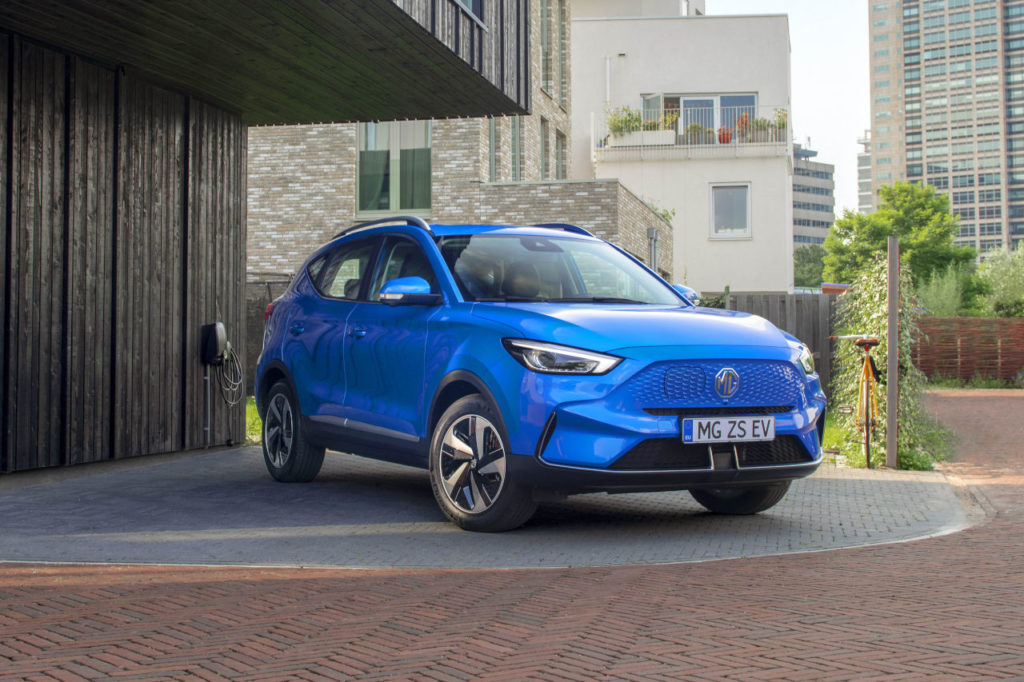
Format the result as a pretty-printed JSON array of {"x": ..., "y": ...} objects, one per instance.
[{"x": 491, "y": 267}]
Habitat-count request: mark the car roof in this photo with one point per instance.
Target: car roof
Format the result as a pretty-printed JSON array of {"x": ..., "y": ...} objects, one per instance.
[{"x": 518, "y": 230}]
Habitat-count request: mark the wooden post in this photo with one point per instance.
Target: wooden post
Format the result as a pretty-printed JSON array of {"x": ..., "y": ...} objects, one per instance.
[{"x": 892, "y": 358}]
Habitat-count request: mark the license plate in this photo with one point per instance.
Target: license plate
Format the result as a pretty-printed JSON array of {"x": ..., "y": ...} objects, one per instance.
[{"x": 728, "y": 429}]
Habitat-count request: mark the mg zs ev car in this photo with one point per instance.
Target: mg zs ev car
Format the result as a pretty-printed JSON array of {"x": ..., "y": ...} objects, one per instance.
[{"x": 518, "y": 364}]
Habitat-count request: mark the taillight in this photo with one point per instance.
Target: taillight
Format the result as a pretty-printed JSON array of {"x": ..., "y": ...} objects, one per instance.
[{"x": 266, "y": 313}]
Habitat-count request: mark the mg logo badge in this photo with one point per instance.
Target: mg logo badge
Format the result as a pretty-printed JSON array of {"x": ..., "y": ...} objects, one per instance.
[{"x": 727, "y": 382}]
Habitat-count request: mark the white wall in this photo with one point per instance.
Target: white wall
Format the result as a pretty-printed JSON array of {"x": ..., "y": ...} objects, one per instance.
[
  {"x": 616, "y": 61},
  {"x": 684, "y": 55},
  {"x": 764, "y": 262}
]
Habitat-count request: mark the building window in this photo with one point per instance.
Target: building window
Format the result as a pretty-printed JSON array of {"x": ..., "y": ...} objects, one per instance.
[
  {"x": 547, "y": 66},
  {"x": 561, "y": 156},
  {"x": 474, "y": 7},
  {"x": 492, "y": 150},
  {"x": 394, "y": 166},
  {"x": 730, "y": 211},
  {"x": 563, "y": 54},
  {"x": 545, "y": 149}
]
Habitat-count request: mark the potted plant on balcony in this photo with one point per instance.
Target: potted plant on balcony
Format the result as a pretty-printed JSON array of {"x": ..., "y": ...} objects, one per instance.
[
  {"x": 724, "y": 135},
  {"x": 780, "y": 120},
  {"x": 623, "y": 126},
  {"x": 695, "y": 134},
  {"x": 760, "y": 130},
  {"x": 661, "y": 130},
  {"x": 743, "y": 127}
]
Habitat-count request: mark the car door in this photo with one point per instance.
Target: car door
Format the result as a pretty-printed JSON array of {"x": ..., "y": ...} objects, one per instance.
[
  {"x": 385, "y": 348},
  {"x": 317, "y": 328}
]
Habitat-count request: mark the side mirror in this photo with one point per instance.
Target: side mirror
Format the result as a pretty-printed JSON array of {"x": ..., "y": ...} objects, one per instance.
[
  {"x": 408, "y": 291},
  {"x": 688, "y": 294}
]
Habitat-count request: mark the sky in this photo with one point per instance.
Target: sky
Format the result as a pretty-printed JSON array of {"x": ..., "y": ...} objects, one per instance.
[{"x": 830, "y": 79}]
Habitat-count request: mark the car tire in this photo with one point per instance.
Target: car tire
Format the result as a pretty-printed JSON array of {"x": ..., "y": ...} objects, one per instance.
[
  {"x": 468, "y": 469},
  {"x": 288, "y": 454},
  {"x": 740, "y": 501}
]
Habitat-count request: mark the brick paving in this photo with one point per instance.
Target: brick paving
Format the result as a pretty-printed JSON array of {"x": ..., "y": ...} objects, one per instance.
[{"x": 946, "y": 607}]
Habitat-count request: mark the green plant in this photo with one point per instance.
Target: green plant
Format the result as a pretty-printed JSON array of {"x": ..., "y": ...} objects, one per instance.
[
  {"x": 253, "y": 423},
  {"x": 760, "y": 124},
  {"x": 942, "y": 294},
  {"x": 863, "y": 310},
  {"x": 623, "y": 120},
  {"x": 666, "y": 214},
  {"x": 664, "y": 122},
  {"x": 780, "y": 119},
  {"x": 1003, "y": 273}
]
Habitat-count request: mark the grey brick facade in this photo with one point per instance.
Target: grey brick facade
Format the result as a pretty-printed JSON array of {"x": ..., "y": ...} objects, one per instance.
[{"x": 302, "y": 179}]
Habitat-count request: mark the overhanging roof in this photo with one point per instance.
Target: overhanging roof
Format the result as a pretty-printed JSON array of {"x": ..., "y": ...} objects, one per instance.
[{"x": 274, "y": 61}]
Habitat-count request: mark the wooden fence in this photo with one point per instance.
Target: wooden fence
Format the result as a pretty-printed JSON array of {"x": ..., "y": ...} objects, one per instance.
[
  {"x": 808, "y": 317},
  {"x": 965, "y": 347}
]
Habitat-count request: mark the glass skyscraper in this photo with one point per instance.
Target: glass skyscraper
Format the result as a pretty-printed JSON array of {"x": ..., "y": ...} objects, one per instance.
[{"x": 947, "y": 88}]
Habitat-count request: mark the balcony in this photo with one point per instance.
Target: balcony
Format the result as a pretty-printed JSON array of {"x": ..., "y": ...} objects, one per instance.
[{"x": 626, "y": 134}]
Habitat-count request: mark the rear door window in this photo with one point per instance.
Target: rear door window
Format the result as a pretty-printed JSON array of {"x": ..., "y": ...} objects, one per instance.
[{"x": 342, "y": 272}]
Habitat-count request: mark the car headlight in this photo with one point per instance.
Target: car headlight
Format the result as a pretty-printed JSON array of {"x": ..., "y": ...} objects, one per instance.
[
  {"x": 806, "y": 359},
  {"x": 551, "y": 358}
]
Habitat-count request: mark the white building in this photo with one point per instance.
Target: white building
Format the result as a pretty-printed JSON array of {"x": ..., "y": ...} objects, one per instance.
[{"x": 692, "y": 113}]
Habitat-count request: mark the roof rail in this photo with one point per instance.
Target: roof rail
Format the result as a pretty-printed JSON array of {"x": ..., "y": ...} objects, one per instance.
[
  {"x": 412, "y": 220},
  {"x": 565, "y": 226}
]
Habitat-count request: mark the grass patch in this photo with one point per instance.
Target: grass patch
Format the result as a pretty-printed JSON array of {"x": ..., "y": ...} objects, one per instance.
[{"x": 253, "y": 423}]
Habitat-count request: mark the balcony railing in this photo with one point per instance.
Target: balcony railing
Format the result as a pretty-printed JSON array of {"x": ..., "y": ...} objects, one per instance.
[{"x": 703, "y": 128}]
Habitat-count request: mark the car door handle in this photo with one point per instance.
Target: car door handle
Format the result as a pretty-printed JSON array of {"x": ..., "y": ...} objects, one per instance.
[
  {"x": 357, "y": 332},
  {"x": 297, "y": 328}
]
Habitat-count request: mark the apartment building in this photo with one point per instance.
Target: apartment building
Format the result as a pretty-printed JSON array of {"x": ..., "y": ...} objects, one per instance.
[
  {"x": 691, "y": 112},
  {"x": 947, "y": 88},
  {"x": 814, "y": 201}
]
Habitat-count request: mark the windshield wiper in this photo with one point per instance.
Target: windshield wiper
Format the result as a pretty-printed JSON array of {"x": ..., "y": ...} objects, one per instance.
[
  {"x": 593, "y": 299},
  {"x": 511, "y": 299}
]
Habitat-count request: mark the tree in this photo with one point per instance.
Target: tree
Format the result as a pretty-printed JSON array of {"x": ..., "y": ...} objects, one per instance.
[
  {"x": 1003, "y": 271},
  {"x": 807, "y": 265},
  {"x": 916, "y": 215}
]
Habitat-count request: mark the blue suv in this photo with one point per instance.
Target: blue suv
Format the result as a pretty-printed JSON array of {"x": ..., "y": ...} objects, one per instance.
[{"x": 519, "y": 364}]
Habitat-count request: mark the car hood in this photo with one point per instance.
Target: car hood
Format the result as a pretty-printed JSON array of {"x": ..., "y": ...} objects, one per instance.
[{"x": 607, "y": 327}]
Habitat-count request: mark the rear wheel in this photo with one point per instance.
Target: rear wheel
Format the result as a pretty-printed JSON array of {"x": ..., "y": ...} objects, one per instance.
[
  {"x": 740, "y": 501},
  {"x": 288, "y": 455},
  {"x": 469, "y": 469}
]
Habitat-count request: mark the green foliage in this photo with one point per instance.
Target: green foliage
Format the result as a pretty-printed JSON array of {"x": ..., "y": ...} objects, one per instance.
[
  {"x": 623, "y": 120},
  {"x": 919, "y": 217},
  {"x": 1003, "y": 273},
  {"x": 942, "y": 295},
  {"x": 977, "y": 381},
  {"x": 666, "y": 214},
  {"x": 863, "y": 310},
  {"x": 808, "y": 265},
  {"x": 253, "y": 423}
]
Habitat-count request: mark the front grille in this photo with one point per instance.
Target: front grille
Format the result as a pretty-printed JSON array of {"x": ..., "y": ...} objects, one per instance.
[
  {"x": 691, "y": 383},
  {"x": 717, "y": 411},
  {"x": 672, "y": 453}
]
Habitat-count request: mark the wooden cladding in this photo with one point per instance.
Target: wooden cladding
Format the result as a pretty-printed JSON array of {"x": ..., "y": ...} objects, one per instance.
[
  {"x": 966, "y": 347},
  {"x": 122, "y": 209}
]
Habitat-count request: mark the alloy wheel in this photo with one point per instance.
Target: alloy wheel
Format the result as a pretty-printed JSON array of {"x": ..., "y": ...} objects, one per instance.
[
  {"x": 279, "y": 430},
  {"x": 472, "y": 464}
]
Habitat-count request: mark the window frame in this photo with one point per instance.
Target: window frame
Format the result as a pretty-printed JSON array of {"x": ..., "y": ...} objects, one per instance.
[
  {"x": 394, "y": 168},
  {"x": 713, "y": 234}
]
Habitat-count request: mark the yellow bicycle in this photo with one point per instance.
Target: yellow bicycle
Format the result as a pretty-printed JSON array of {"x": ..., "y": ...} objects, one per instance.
[{"x": 867, "y": 396}]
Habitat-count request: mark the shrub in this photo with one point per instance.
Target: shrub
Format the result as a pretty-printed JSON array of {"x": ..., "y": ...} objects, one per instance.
[
  {"x": 862, "y": 309},
  {"x": 1003, "y": 272}
]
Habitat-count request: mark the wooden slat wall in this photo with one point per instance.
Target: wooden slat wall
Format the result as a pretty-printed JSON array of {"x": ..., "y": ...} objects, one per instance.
[
  {"x": 5, "y": 66},
  {"x": 90, "y": 268},
  {"x": 499, "y": 52},
  {"x": 215, "y": 259},
  {"x": 966, "y": 347},
  {"x": 150, "y": 223},
  {"x": 35, "y": 319},
  {"x": 106, "y": 280}
]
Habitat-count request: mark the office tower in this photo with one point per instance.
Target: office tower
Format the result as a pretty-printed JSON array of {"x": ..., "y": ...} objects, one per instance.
[{"x": 947, "y": 88}]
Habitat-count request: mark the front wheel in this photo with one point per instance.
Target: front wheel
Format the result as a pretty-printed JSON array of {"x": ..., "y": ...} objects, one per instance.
[
  {"x": 469, "y": 469},
  {"x": 740, "y": 501}
]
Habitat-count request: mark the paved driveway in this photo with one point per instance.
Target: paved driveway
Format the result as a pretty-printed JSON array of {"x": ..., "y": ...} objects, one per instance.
[{"x": 223, "y": 508}]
